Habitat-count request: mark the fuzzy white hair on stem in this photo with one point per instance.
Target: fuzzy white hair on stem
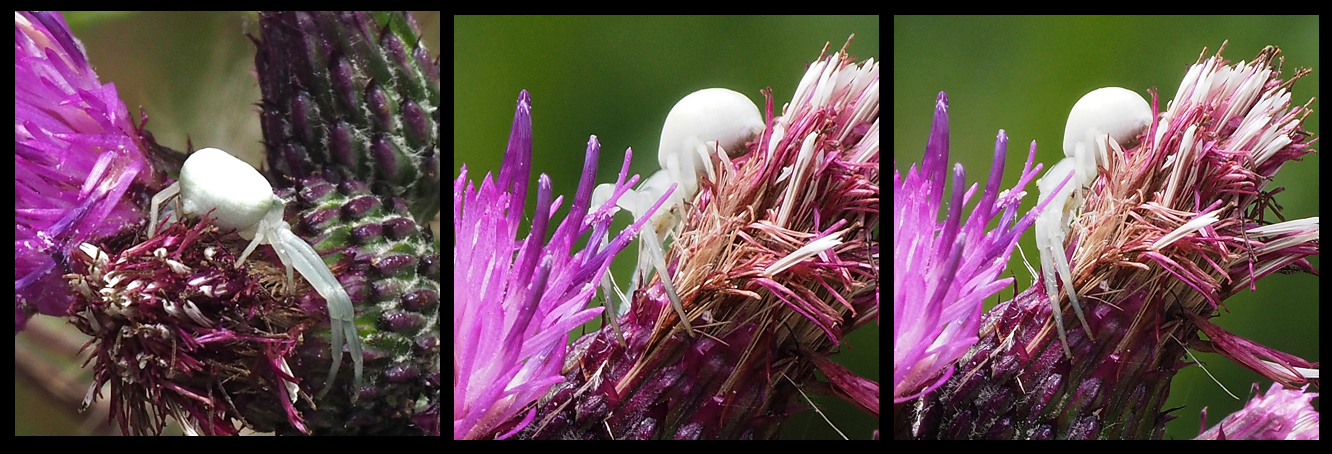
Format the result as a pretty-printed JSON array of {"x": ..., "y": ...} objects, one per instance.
[
  {"x": 211, "y": 180},
  {"x": 1101, "y": 120}
]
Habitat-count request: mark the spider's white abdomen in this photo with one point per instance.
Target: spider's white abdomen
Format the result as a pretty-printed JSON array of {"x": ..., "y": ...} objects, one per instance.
[
  {"x": 1114, "y": 112},
  {"x": 212, "y": 178},
  {"x": 698, "y": 123},
  {"x": 1118, "y": 112}
]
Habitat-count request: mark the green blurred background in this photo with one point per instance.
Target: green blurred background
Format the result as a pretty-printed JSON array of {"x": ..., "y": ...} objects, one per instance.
[
  {"x": 1023, "y": 75},
  {"x": 617, "y": 77}
]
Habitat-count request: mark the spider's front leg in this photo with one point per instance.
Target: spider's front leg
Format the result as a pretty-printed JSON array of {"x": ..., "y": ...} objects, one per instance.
[
  {"x": 295, "y": 252},
  {"x": 1057, "y": 189}
]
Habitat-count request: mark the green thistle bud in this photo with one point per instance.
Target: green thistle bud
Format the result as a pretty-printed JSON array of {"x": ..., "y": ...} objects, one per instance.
[{"x": 353, "y": 94}]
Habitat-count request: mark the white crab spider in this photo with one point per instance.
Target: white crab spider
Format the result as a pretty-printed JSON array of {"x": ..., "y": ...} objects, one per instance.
[
  {"x": 1102, "y": 120},
  {"x": 240, "y": 198},
  {"x": 698, "y": 126}
]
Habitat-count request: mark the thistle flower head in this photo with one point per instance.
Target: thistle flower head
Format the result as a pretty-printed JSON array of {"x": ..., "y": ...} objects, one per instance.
[
  {"x": 774, "y": 261},
  {"x": 174, "y": 324},
  {"x": 1169, "y": 229},
  {"x": 516, "y": 299},
  {"x": 1184, "y": 216},
  {"x": 76, "y": 153},
  {"x": 943, "y": 272},
  {"x": 179, "y": 331},
  {"x": 1278, "y": 414}
]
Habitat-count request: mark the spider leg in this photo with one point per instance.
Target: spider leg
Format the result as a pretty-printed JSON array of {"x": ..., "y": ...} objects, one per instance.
[
  {"x": 1046, "y": 245},
  {"x": 1056, "y": 189},
  {"x": 657, "y": 256},
  {"x": 259, "y": 236},
  {"x": 266, "y": 233},
  {"x": 600, "y": 196},
  {"x": 1083, "y": 176},
  {"x": 295, "y": 252},
  {"x": 611, "y": 290},
  {"x": 162, "y": 196}
]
